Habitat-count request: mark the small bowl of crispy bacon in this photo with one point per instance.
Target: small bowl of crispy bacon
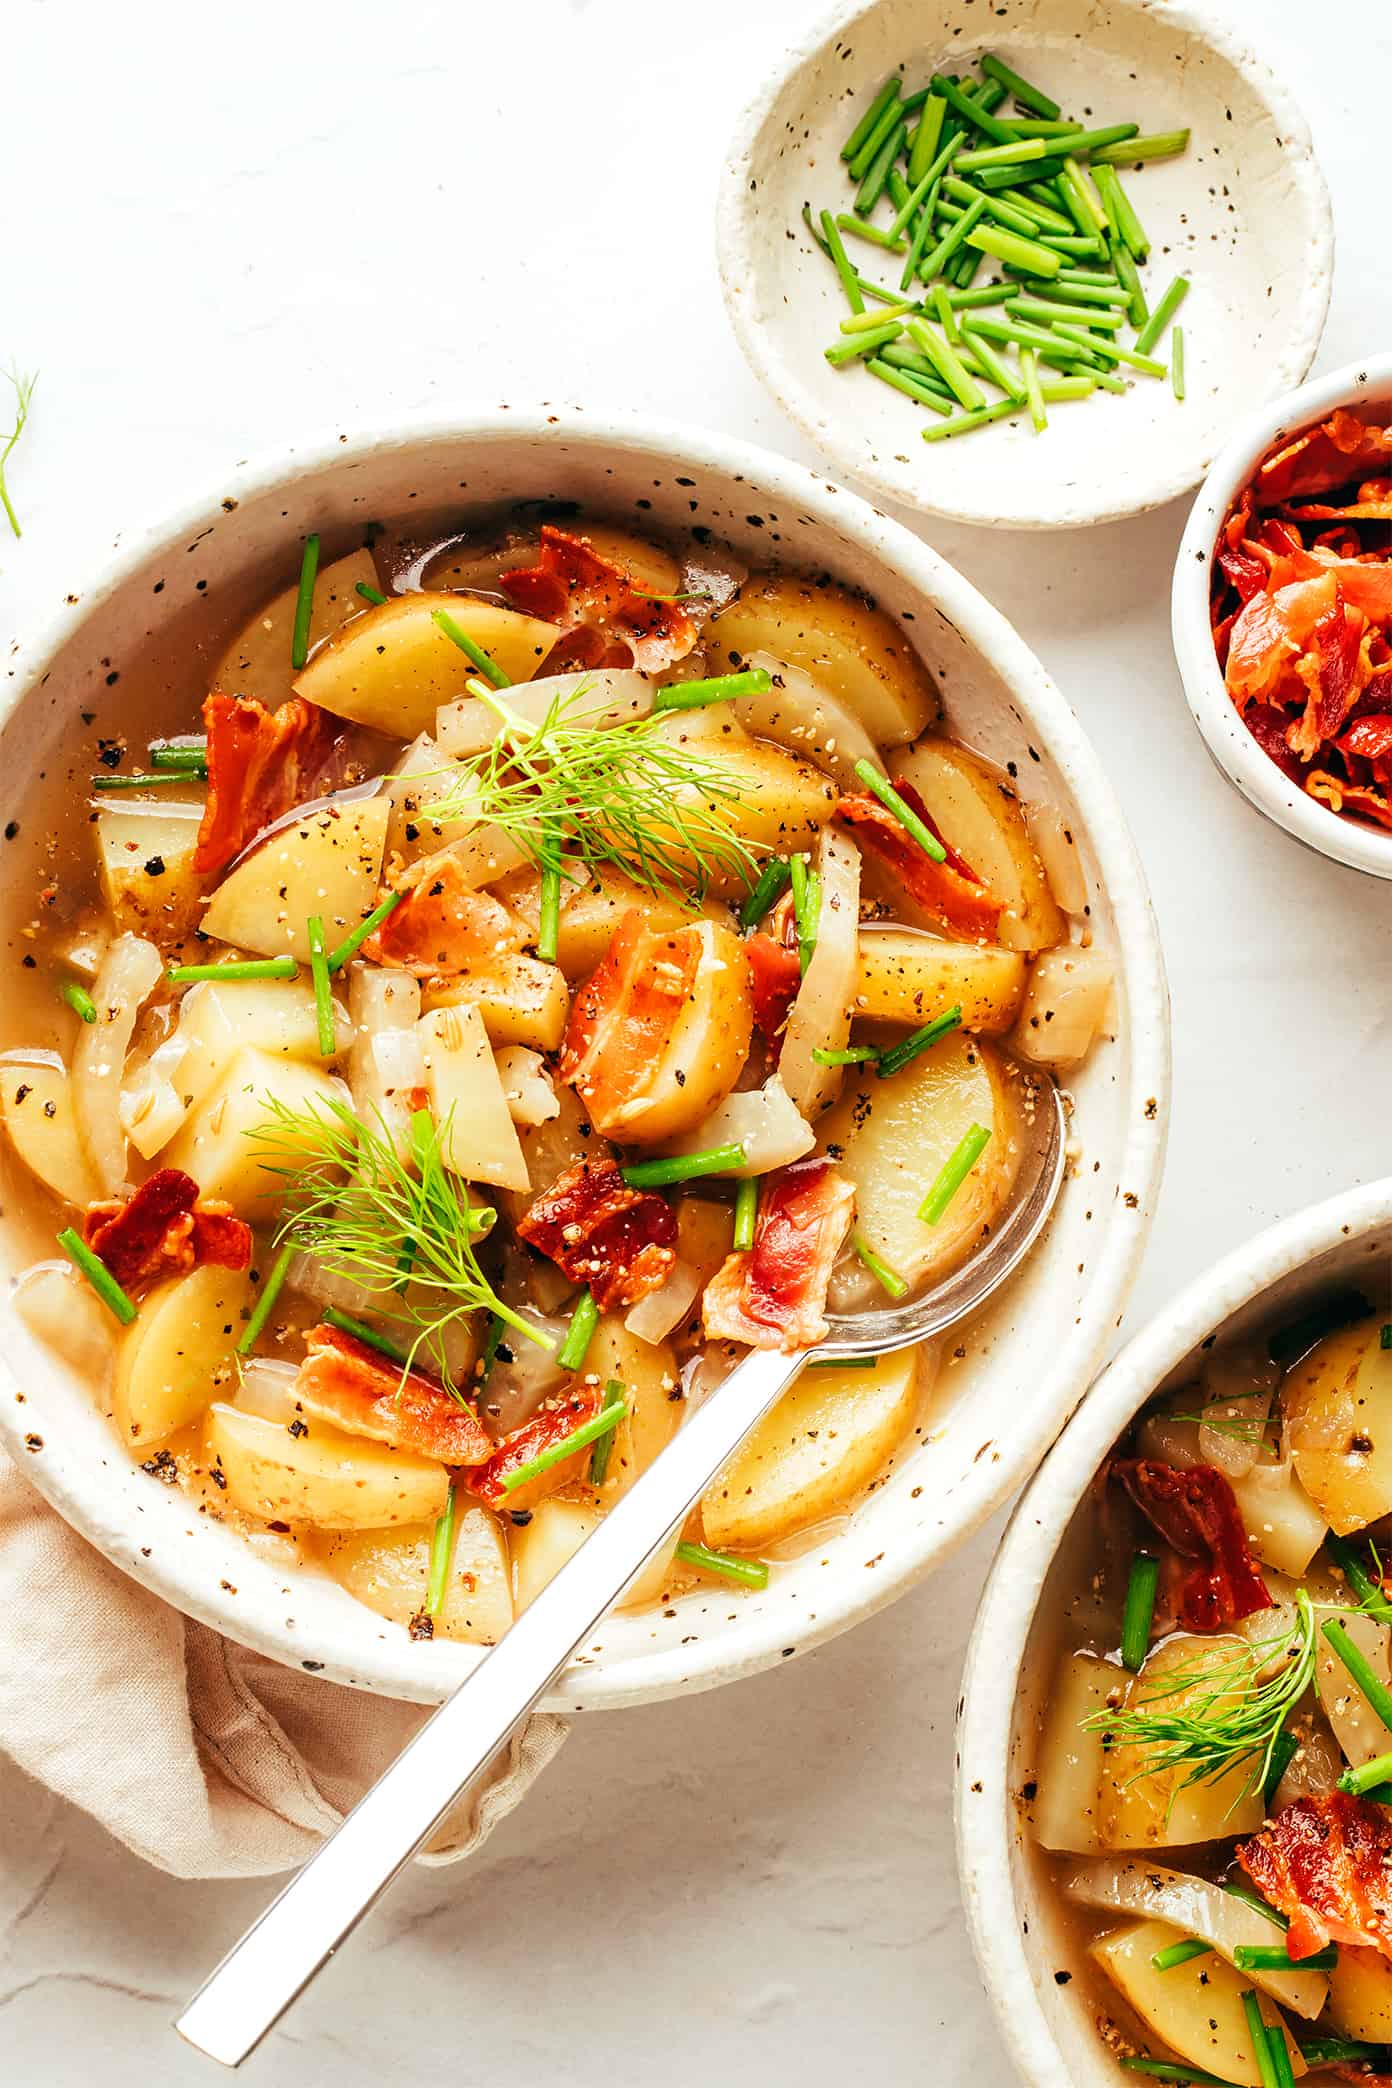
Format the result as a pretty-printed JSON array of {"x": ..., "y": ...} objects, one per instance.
[{"x": 1282, "y": 614}]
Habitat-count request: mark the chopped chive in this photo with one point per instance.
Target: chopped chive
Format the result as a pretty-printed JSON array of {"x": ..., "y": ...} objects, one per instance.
[
  {"x": 1261, "y": 2050},
  {"x": 774, "y": 879},
  {"x": 549, "y": 916},
  {"x": 1082, "y": 144},
  {"x": 1009, "y": 246},
  {"x": 987, "y": 94},
  {"x": 441, "y": 1553},
  {"x": 919, "y": 197},
  {"x": 947, "y": 318},
  {"x": 862, "y": 344},
  {"x": 913, "y": 387},
  {"x": 1175, "y": 1954},
  {"x": 1369, "y": 1591},
  {"x": 1168, "y": 2070},
  {"x": 751, "y": 1573},
  {"x": 1235, "y": 1889},
  {"x": 887, "y": 1278},
  {"x": 1042, "y": 127},
  {"x": 369, "y": 593},
  {"x": 873, "y": 235},
  {"x": 877, "y": 173},
  {"x": 1050, "y": 349},
  {"x": 579, "y": 1334},
  {"x": 1177, "y": 361},
  {"x": 995, "y": 367},
  {"x": 244, "y": 968},
  {"x": 1275, "y": 1957},
  {"x": 927, "y": 138},
  {"x": 887, "y": 94},
  {"x": 323, "y": 992},
  {"x": 488, "y": 1354},
  {"x": 843, "y": 1363},
  {"x": 1292, "y": 1341},
  {"x": 1377, "y": 1693},
  {"x": 870, "y": 147},
  {"x": 992, "y": 178},
  {"x": 961, "y": 229},
  {"x": 953, "y": 1173},
  {"x": 1078, "y": 297},
  {"x": 78, "y": 999},
  {"x": 922, "y": 233},
  {"x": 948, "y": 363},
  {"x": 98, "y": 1275},
  {"x": 860, "y": 322},
  {"x": 880, "y": 787},
  {"x": 1367, "y": 1776},
  {"x": 918, "y": 1041},
  {"x": 1385, "y": 1337},
  {"x": 487, "y": 666},
  {"x": 807, "y": 907},
  {"x": 1129, "y": 276},
  {"x": 604, "y": 1444},
  {"x": 186, "y": 759},
  {"x": 979, "y": 118},
  {"x": 1014, "y": 153},
  {"x": 1111, "y": 350},
  {"x": 853, "y": 1055},
  {"x": 1134, "y": 151},
  {"x": 1034, "y": 397},
  {"x": 1284, "y": 1749},
  {"x": 1335, "y": 2051},
  {"x": 897, "y": 189},
  {"x": 684, "y": 1167},
  {"x": 716, "y": 688},
  {"x": 1081, "y": 199},
  {"x": 1025, "y": 93},
  {"x": 1122, "y": 212},
  {"x": 1042, "y": 311},
  {"x": 832, "y": 235},
  {"x": 352, "y": 943},
  {"x": 304, "y": 603},
  {"x": 1162, "y": 315},
  {"x": 265, "y": 1304},
  {"x": 1139, "y": 1611},
  {"x": 1280, "y": 2055},
  {"x": 360, "y": 1331},
  {"x": 746, "y": 1214},
  {"x": 142, "y": 779},
  {"x": 1054, "y": 390},
  {"x": 579, "y": 1439}
]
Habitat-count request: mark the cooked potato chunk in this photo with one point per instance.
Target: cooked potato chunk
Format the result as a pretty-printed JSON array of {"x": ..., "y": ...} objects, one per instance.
[
  {"x": 1356, "y": 1725},
  {"x": 325, "y": 1478},
  {"x": 328, "y": 863},
  {"x": 1360, "y": 1996},
  {"x": 424, "y": 777},
  {"x": 855, "y": 652},
  {"x": 592, "y": 908},
  {"x": 393, "y": 668},
  {"x": 825, "y": 1440},
  {"x": 803, "y": 716},
  {"x": 521, "y": 1000},
  {"x": 145, "y": 859},
  {"x": 1338, "y": 1408},
  {"x": 1196, "y": 2008},
  {"x": 1138, "y": 1810},
  {"x": 179, "y": 1354},
  {"x": 257, "y": 662},
  {"x": 36, "y": 1102},
  {"x": 978, "y": 812},
  {"x": 389, "y": 1570},
  {"x": 1066, "y": 1810},
  {"x": 478, "y": 1139},
  {"x": 647, "y": 1370},
  {"x": 907, "y": 976},
  {"x": 555, "y": 1534},
  {"x": 219, "y": 1145},
  {"x": 773, "y": 801}
]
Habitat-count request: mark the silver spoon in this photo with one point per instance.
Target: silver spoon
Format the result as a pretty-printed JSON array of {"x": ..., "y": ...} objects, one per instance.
[{"x": 322, "y": 1905}]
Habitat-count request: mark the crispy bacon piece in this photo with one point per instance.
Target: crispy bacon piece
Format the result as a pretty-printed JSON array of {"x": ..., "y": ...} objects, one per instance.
[
  {"x": 1326, "y": 1863},
  {"x": 620, "y": 1241},
  {"x": 343, "y": 1381},
  {"x": 442, "y": 925},
  {"x": 163, "y": 1227},
  {"x": 1341, "y": 796},
  {"x": 622, "y": 1017},
  {"x": 774, "y": 977},
  {"x": 1196, "y": 1513},
  {"x": 774, "y": 1294},
  {"x": 571, "y": 585},
  {"x": 1374, "y": 504},
  {"x": 950, "y": 890},
  {"x": 549, "y": 1426},
  {"x": 260, "y": 765},
  {"x": 1333, "y": 454}
]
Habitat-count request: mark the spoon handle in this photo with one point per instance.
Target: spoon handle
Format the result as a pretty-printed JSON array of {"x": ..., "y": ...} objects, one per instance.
[{"x": 279, "y": 1955}]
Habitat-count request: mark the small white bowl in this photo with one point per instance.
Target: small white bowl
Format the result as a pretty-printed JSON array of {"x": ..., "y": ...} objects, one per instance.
[
  {"x": 1244, "y": 214},
  {"x": 1261, "y": 782},
  {"x": 173, "y": 595},
  {"x": 1026, "y": 1947}
]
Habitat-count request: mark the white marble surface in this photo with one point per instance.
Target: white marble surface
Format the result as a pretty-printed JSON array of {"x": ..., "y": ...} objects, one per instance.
[{"x": 223, "y": 226}]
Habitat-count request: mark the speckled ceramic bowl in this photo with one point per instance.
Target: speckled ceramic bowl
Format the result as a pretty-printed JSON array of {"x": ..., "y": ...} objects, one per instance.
[
  {"x": 185, "y": 585},
  {"x": 1244, "y": 214},
  {"x": 1361, "y": 387},
  {"x": 1028, "y": 1953}
]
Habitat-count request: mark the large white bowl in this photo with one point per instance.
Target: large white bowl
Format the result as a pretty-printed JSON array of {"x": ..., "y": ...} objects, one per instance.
[
  {"x": 1352, "y": 841},
  {"x": 1244, "y": 214},
  {"x": 1028, "y": 1953},
  {"x": 185, "y": 584}
]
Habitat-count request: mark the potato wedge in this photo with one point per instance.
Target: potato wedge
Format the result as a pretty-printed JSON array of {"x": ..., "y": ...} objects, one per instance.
[
  {"x": 180, "y": 1354},
  {"x": 478, "y": 1139},
  {"x": 257, "y": 662},
  {"x": 896, "y": 1134},
  {"x": 1360, "y": 1996},
  {"x": 591, "y": 911},
  {"x": 145, "y": 862},
  {"x": 521, "y": 1000},
  {"x": 392, "y": 668},
  {"x": 977, "y": 810},
  {"x": 389, "y": 1570},
  {"x": 800, "y": 714},
  {"x": 324, "y": 1478},
  {"x": 555, "y": 1534},
  {"x": 705, "y": 1232},
  {"x": 775, "y": 802},
  {"x": 909, "y": 977},
  {"x": 36, "y": 1103},
  {"x": 328, "y": 863},
  {"x": 424, "y": 776},
  {"x": 1066, "y": 1810},
  {"x": 1141, "y": 1810},
  {"x": 647, "y": 1370},
  {"x": 1338, "y": 1409},
  {"x": 1355, "y": 1724},
  {"x": 1194, "y": 2009},
  {"x": 855, "y": 652},
  {"x": 824, "y": 1441},
  {"x": 217, "y": 1144}
]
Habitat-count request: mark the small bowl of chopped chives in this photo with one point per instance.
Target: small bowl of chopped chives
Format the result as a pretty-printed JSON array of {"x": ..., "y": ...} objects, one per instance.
[{"x": 1024, "y": 271}]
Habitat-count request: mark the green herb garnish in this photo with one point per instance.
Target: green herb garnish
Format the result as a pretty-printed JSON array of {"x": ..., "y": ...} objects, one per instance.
[
  {"x": 441, "y": 1555},
  {"x": 604, "y": 1444},
  {"x": 1139, "y": 1611},
  {"x": 353, "y": 942},
  {"x": 270, "y": 1291},
  {"x": 579, "y": 1439},
  {"x": 304, "y": 603},
  {"x": 684, "y": 1167},
  {"x": 78, "y": 999},
  {"x": 887, "y": 1278},
  {"x": 323, "y": 992},
  {"x": 1175, "y": 1954},
  {"x": 243, "y": 968},
  {"x": 361, "y": 1331},
  {"x": 746, "y": 1215},
  {"x": 579, "y": 1333},
  {"x": 98, "y": 1275},
  {"x": 953, "y": 1173},
  {"x": 485, "y": 662},
  {"x": 751, "y": 1573},
  {"x": 24, "y": 392}
]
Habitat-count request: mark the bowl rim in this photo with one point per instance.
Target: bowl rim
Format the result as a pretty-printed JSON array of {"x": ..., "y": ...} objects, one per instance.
[
  {"x": 380, "y": 1664},
  {"x": 736, "y": 261},
  {"x": 1232, "y": 746},
  {"x": 983, "y": 1806}
]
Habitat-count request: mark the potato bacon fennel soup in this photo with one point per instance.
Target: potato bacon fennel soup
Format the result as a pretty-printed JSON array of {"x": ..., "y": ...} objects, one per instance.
[
  {"x": 1214, "y": 1773},
  {"x": 511, "y": 988}
]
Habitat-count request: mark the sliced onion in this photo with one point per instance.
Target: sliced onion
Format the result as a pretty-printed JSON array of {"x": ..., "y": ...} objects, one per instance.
[
  {"x": 67, "y": 1315},
  {"x": 131, "y": 969},
  {"x": 711, "y": 577},
  {"x": 1057, "y": 849},
  {"x": 1239, "y": 1383},
  {"x": 524, "y": 1373},
  {"x": 799, "y": 714},
  {"x": 325, "y": 1286},
  {"x": 267, "y": 1389},
  {"x": 350, "y": 794},
  {"x": 764, "y": 1120},
  {"x": 528, "y": 1088},
  {"x": 653, "y": 1318},
  {"x": 383, "y": 1006},
  {"x": 1067, "y": 1002},
  {"x": 611, "y": 697},
  {"x": 821, "y": 1014}
]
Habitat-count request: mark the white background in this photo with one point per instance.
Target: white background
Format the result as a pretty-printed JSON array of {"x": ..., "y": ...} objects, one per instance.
[{"x": 227, "y": 226}]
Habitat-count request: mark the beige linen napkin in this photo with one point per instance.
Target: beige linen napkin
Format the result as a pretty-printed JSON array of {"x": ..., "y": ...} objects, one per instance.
[{"x": 208, "y": 1761}]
